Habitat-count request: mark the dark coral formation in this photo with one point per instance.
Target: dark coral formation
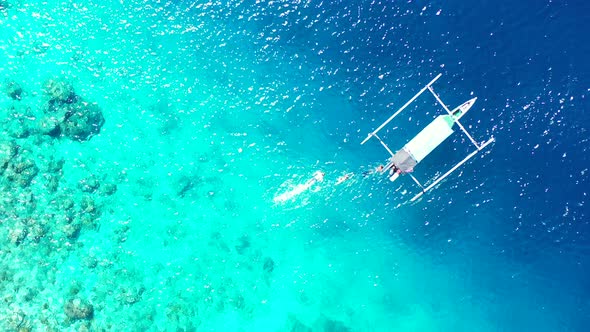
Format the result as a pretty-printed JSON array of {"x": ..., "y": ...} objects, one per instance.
[
  {"x": 68, "y": 114},
  {"x": 89, "y": 185},
  {"x": 323, "y": 323},
  {"x": 12, "y": 88},
  {"x": 21, "y": 169},
  {"x": 20, "y": 121},
  {"x": 4, "y": 4},
  {"x": 59, "y": 91},
  {"x": 269, "y": 265},
  {"x": 8, "y": 150},
  {"x": 53, "y": 174},
  {"x": 82, "y": 121},
  {"x": 77, "y": 309},
  {"x": 24, "y": 165}
]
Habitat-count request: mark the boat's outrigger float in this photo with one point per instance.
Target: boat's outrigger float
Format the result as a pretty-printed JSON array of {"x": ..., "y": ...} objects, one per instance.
[{"x": 404, "y": 160}]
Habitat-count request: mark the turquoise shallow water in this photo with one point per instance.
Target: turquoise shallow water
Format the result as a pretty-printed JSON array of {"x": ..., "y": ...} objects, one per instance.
[{"x": 164, "y": 218}]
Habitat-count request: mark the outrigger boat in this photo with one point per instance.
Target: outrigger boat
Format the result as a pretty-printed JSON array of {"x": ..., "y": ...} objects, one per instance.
[{"x": 405, "y": 159}]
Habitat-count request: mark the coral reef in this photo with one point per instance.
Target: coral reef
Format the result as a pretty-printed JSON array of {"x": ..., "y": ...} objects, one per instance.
[
  {"x": 12, "y": 88},
  {"x": 17, "y": 321},
  {"x": 17, "y": 233},
  {"x": 89, "y": 185},
  {"x": 21, "y": 170},
  {"x": 59, "y": 91},
  {"x": 19, "y": 122},
  {"x": 52, "y": 174},
  {"x": 78, "y": 121},
  {"x": 77, "y": 309},
  {"x": 108, "y": 189},
  {"x": 57, "y": 211},
  {"x": 68, "y": 114},
  {"x": 131, "y": 294},
  {"x": 82, "y": 120},
  {"x": 50, "y": 125},
  {"x": 8, "y": 150}
]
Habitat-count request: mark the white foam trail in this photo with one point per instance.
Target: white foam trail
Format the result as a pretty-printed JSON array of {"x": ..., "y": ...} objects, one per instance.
[{"x": 299, "y": 189}]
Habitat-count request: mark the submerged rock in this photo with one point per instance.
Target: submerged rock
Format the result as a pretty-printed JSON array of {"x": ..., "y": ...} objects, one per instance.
[
  {"x": 77, "y": 121},
  {"x": 59, "y": 91},
  {"x": 51, "y": 183},
  {"x": 15, "y": 320},
  {"x": 89, "y": 184},
  {"x": 18, "y": 128},
  {"x": 18, "y": 123},
  {"x": 108, "y": 189},
  {"x": 4, "y": 4},
  {"x": 37, "y": 232},
  {"x": 88, "y": 205},
  {"x": 82, "y": 121},
  {"x": 67, "y": 114},
  {"x": 50, "y": 125},
  {"x": 269, "y": 265},
  {"x": 243, "y": 244},
  {"x": 183, "y": 185},
  {"x": 8, "y": 150},
  {"x": 21, "y": 170},
  {"x": 72, "y": 230},
  {"x": 331, "y": 325},
  {"x": 55, "y": 166},
  {"x": 130, "y": 295},
  {"x": 18, "y": 233},
  {"x": 12, "y": 88},
  {"x": 296, "y": 325},
  {"x": 78, "y": 309}
]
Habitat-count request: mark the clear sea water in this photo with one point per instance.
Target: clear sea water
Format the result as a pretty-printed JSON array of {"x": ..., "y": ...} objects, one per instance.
[{"x": 212, "y": 109}]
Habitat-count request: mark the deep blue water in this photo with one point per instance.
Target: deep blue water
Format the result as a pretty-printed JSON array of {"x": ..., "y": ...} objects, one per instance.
[{"x": 522, "y": 234}]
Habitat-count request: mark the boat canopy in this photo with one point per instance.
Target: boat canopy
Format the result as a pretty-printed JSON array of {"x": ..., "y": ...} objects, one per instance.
[{"x": 429, "y": 138}]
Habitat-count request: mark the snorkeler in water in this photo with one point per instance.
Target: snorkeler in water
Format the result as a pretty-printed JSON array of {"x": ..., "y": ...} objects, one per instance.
[
  {"x": 378, "y": 169},
  {"x": 344, "y": 178},
  {"x": 347, "y": 176},
  {"x": 318, "y": 176}
]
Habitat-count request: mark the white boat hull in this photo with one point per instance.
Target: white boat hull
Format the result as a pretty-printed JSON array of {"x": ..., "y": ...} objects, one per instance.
[{"x": 463, "y": 108}]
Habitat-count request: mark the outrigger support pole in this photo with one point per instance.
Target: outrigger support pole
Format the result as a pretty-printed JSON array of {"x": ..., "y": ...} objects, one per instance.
[
  {"x": 401, "y": 109},
  {"x": 417, "y": 182},
  {"x": 385, "y": 145},
  {"x": 424, "y": 190}
]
